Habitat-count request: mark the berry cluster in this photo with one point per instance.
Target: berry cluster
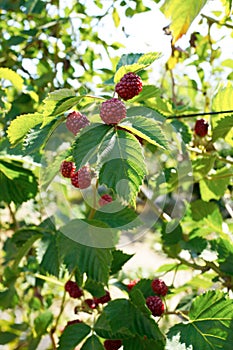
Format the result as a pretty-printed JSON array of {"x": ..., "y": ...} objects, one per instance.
[
  {"x": 112, "y": 111},
  {"x": 73, "y": 289},
  {"x": 81, "y": 178},
  {"x": 201, "y": 127},
  {"x": 132, "y": 283},
  {"x": 155, "y": 304},
  {"x": 67, "y": 168},
  {"x": 105, "y": 199},
  {"x": 159, "y": 287},
  {"x": 76, "y": 121},
  {"x": 129, "y": 86},
  {"x": 110, "y": 344}
]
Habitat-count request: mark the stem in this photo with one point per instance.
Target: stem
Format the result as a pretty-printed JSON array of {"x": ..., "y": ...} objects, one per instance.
[
  {"x": 173, "y": 87},
  {"x": 197, "y": 114},
  {"x": 165, "y": 217},
  {"x": 13, "y": 217},
  {"x": 177, "y": 313}
]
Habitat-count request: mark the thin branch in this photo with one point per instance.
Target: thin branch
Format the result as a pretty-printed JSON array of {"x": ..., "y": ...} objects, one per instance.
[{"x": 191, "y": 115}]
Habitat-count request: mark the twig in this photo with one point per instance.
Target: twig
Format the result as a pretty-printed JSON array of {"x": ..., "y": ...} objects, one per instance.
[{"x": 191, "y": 115}]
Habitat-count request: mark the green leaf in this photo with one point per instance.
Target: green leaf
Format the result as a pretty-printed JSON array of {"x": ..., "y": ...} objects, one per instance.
[
  {"x": 51, "y": 260},
  {"x": 87, "y": 144},
  {"x": 144, "y": 285},
  {"x": 119, "y": 259},
  {"x": 116, "y": 17},
  {"x": 208, "y": 216},
  {"x": 183, "y": 130},
  {"x": 222, "y": 101},
  {"x": 145, "y": 112},
  {"x": 143, "y": 62},
  {"x": 92, "y": 343},
  {"x": 117, "y": 216},
  {"x": 121, "y": 319},
  {"x": 17, "y": 183},
  {"x": 24, "y": 249},
  {"x": 13, "y": 77},
  {"x": 20, "y": 126},
  {"x": 228, "y": 7},
  {"x": 7, "y": 337},
  {"x": 147, "y": 129},
  {"x": 181, "y": 13},
  {"x": 42, "y": 322},
  {"x": 56, "y": 99},
  {"x": 95, "y": 288},
  {"x": 138, "y": 300},
  {"x": 214, "y": 186},
  {"x": 142, "y": 343},
  {"x": 95, "y": 262},
  {"x": 125, "y": 154},
  {"x": 148, "y": 91},
  {"x": 128, "y": 59},
  {"x": 73, "y": 335},
  {"x": 224, "y": 129},
  {"x": 210, "y": 322},
  {"x": 202, "y": 165}
]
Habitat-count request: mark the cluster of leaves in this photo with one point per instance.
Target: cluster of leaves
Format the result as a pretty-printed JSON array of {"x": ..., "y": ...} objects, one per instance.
[{"x": 37, "y": 258}]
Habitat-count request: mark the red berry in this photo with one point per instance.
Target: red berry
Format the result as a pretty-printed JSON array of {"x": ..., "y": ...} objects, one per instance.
[
  {"x": 112, "y": 344},
  {"x": 73, "y": 289},
  {"x": 105, "y": 199},
  {"x": 129, "y": 86},
  {"x": 91, "y": 303},
  {"x": 159, "y": 287},
  {"x": 73, "y": 322},
  {"x": 81, "y": 178},
  {"x": 76, "y": 121},
  {"x": 104, "y": 299},
  {"x": 131, "y": 284},
  {"x": 112, "y": 111},
  {"x": 67, "y": 169},
  {"x": 201, "y": 127},
  {"x": 156, "y": 305}
]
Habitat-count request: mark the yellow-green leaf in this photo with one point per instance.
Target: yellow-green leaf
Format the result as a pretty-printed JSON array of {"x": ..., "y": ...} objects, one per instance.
[
  {"x": 13, "y": 77},
  {"x": 20, "y": 126},
  {"x": 181, "y": 13},
  {"x": 116, "y": 17}
]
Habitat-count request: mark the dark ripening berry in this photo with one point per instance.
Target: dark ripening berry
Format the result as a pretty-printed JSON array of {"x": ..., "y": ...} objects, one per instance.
[
  {"x": 73, "y": 322},
  {"x": 104, "y": 299},
  {"x": 112, "y": 111},
  {"x": 91, "y": 303},
  {"x": 73, "y": 289},
  {"x": 201, "y": 127},
  {"x": 156, "y": 305},
  {"x": 131, "y": 284},
  {"x": 112, "y": 344},
  {"x": 105, "y": 199},
  {"x": 67, "y": 169},
  {"x": 159, "y": 287},
  {"x": 81, "y": 178},
  {"x": 75, "y": 121},
  {"x": 129, "y": 86}
]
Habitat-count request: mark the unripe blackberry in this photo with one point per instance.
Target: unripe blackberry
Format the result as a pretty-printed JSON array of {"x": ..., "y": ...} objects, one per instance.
[
  {"x": 73, "y": 322},
  {"x": 112, "y": 111},
  {"x": 75, "y": 121},
  {"x": 81, "y": 178},
  {"x": 201, "y": 127},
  {"x": 105, "y": 199},
  {"x": 159, "y": 287},
  {"x": 156, "y": 305},
  {"x": 67, "y": 169},
  {"x": 73, "y": 289},
  {"x": 132, "y": 283},
  {"x": 112, "y": 344},
  {"x": 104, "y": 299},
  {"x": 91, "y": 303},
  {"x": 129, "y": 86}
]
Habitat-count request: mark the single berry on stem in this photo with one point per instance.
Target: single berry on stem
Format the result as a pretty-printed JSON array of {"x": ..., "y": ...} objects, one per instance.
[
  {"x": 105, "y": 199},
  {"x": 132, "y": 283},
  {"x": 91, "y": 303},
  {"x": 67, "y": 168},
  {"x": 156, "y": 305},
  {"x": 104, "y": 299},
  {"x": 111, "y": 344},
  {"x": 159, "y": 287},
  {"x": 81, "y": 178},
  {"x": 129, "y": 86},
  {"x": 201, "y": 127},
  {"x": 73, "y": 289},
  {"x": 112, "y": 111},
  {"x": 75, "y": 121}
]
